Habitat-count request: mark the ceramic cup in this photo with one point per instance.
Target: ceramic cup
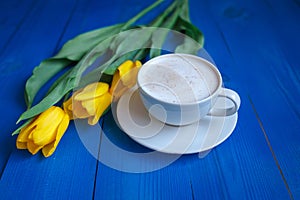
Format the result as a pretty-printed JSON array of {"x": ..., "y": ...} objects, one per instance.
[{"x": 180, "y": 89}]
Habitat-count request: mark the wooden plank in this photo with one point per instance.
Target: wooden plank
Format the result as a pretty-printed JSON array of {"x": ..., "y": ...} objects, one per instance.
[
  {"x": 10, "y": 23},
  {"x": 71, "y": 166},
  {"x": 35, "y": 40},
  {"x": 229, "y": 171},
  {"x": 69, "y": 172},
  {"x": 13, "y": 14},
  {"x": 256, "y": 47},
  {"x": 124, "y": 174},
  {"x": 242, "y": 167},
  {"x": 113, "y": 183},
  {"x": 90, "y": 16}
]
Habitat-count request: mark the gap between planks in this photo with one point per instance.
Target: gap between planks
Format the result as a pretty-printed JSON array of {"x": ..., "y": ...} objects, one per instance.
[
  {"x": 97, "y": 161},
  {"x": 32, "y": 5},
  {"x": 4, "y": 166},
  {"x": 270, "y": 147},
  {"x": 57, "y": 47}
]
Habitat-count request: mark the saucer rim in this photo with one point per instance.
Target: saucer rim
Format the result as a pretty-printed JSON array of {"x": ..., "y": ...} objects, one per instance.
[{"x": 232, "y": 121}]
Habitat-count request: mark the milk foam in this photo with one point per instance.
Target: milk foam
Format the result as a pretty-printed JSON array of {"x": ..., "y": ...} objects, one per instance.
[{"x": 178, "y": 80}]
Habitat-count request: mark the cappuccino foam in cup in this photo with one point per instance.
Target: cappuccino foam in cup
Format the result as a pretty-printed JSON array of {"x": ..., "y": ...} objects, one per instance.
[{"x": 178, "y": 80}]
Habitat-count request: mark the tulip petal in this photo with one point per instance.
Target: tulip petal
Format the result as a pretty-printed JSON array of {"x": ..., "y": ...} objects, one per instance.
[
  {"x": 125, "y": 67},
  {"x": 122, "y": 69},
  {"x": 91, "y": 91},
  {"x": 67, "y": 105},
  {"x": 90, "y": 105},
  {"x": 137, "y": 64},
  {"x": 104, "y": 102},
  {"x": 127, "y": 73},
  {"x": 115, "y": 82},
  {"x": 50, "y": 148},
  {"x": 119, "y": 90},
  {"x": 79, "y": 111},
  {"x": 22, "y": 138},
  {"x": 21, "y": 145},
  {"x": 129, "y": 79},
  {"x": 33, "y": 148},
  {"x": 45, "y": 131},
  {"x": 47, "y": 115},
  {"x": 24, "y": 133}
]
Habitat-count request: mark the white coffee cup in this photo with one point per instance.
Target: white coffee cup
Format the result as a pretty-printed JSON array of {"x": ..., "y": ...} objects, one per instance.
[{"x": 180, "y": 89}]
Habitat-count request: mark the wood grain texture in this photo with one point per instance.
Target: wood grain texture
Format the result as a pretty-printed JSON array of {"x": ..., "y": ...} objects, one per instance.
[
  {"x": 273, "y": 84},
  {"x": 10, "y": 21},
  {"x": 36, "y": 176},
  {"x": 255, "y": 46},
  {"x": 69, "y": 172},
  {"x": 121, "y": 177},
  {"x": 32, "y": 41}
]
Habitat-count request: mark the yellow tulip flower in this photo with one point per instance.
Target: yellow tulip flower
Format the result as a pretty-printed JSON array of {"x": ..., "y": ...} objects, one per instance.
[
  {"x": 44, "y": 132},
  {"x": 125, "y": 77},
  {"x": 89, "y": 102}
]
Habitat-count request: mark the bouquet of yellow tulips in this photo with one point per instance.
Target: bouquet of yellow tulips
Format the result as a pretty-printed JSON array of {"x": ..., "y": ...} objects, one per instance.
[{"x": 45, "y": 123}]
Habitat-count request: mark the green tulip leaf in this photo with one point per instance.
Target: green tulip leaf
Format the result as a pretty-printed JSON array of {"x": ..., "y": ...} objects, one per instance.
[
  {"x": 195, "y": 39},
  {"x": 159, "y": 36},
  {"x": 76, "y": 48},
  {"x": 73, "y": 51},
  {"x": 82, "y": 52},
  {"x": 41, "y": 74},
  {"x": 53, "y": 97}
]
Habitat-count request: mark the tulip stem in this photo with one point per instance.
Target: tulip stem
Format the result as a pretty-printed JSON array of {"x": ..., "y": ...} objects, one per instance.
[{"x": 65, "y": 98}]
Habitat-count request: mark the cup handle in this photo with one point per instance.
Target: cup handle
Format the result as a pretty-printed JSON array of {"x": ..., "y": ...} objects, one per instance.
[{"x": 233, "y": 97}]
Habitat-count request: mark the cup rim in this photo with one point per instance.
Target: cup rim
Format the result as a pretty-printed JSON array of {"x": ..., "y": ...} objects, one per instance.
[{"x": 214, "y": 93}]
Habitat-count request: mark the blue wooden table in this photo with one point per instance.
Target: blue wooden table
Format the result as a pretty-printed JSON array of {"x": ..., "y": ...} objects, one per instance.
[{"x": 255, "y": 44}]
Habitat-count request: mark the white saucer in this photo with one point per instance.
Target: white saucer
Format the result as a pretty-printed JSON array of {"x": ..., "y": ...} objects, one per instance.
[{"x": 135, "y": 121}]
